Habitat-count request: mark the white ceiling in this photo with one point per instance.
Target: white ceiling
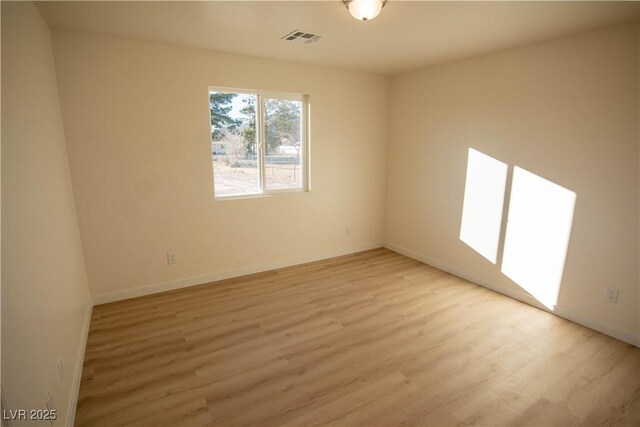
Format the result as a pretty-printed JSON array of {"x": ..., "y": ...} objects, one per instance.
[{"x": 405, "y": 36}]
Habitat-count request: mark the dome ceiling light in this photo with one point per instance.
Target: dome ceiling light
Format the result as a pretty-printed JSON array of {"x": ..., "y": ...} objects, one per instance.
[{"x": 364, "y": 10}]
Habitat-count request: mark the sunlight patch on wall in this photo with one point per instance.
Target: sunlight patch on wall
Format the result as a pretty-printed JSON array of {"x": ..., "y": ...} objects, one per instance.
[
  {"x": 537, "y": 237},
  {"x": 483, "y": 203}
]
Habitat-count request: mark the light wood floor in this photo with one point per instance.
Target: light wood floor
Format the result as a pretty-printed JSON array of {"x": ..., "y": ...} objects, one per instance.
[{"x": 371, "y": 339}]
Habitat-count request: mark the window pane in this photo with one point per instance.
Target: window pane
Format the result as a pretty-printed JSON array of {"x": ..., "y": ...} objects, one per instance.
[
  {"x": 283, "y": 150},
  {"x": 233, "y": 143}
]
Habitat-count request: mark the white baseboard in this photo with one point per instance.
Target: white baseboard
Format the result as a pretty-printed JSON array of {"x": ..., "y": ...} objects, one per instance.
[
  {"x": 77, "y": 374},
  {"x": 565, "y": 313},
  {"x": 228, "y": 274}
]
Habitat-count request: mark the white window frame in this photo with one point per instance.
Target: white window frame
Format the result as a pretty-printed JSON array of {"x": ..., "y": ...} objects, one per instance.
[{"x": 260, "y": 137}]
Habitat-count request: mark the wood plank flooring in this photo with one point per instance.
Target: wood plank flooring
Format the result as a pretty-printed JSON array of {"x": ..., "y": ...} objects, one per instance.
[{"x": 370, "y": 339}]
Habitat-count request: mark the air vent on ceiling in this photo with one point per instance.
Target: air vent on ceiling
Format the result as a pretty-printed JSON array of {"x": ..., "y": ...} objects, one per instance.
[{"x": 300, "y": 36}]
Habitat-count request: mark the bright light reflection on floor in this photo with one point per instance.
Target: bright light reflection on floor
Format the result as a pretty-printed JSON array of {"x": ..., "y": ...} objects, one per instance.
[
  {"x": 537, "y": 235},
  {"x": 483, "y": 202}
]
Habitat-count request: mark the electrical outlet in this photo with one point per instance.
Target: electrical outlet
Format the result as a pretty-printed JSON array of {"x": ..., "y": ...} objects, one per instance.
[
  {"x": 171, "y": 257},
  {"x": 612, "y": 295},
  {"x": 49, "y": 405},
  {"x": 60, "y": 369},
  {"x": 49, "y": 402}
]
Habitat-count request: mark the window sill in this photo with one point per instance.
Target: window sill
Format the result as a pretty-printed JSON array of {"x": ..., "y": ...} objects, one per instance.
[{"x": 258, "y": 195}]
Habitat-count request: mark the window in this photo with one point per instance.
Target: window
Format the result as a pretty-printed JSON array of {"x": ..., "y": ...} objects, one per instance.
[{"x": 258, "y": 142}]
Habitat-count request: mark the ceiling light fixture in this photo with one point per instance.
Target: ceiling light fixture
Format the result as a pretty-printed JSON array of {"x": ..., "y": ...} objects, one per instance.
[{"x": 364, "y": 10}]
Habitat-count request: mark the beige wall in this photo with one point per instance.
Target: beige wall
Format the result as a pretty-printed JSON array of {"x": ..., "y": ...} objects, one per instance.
[
  {"x": 44, "y": 286},
  {"x": 137, "y": 124},
  {"x": 566, "y": 110}
]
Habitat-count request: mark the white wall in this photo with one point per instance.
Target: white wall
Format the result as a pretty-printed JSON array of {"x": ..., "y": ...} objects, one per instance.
[
  {"x": 137, "y": 124},
  {"x": 45, "y": 298},
  {"x": 566, "y": 110}
]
